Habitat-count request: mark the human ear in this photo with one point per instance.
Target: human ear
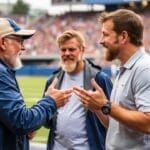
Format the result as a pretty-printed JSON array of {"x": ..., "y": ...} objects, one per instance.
[
  {"x": 2, "y": 44},
  {"x": 124, "y": 37}
]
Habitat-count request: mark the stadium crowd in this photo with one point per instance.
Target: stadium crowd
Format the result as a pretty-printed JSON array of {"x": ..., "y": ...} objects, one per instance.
[{"x": 49, "y": 27}]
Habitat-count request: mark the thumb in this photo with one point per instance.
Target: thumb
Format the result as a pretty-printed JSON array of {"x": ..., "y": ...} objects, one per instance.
[
  {"x": 53, "y": 84},
  {"x": 95, "y": 85}
]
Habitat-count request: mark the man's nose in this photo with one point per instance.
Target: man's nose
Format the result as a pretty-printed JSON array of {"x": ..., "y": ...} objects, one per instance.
[
  {"x": 22, "y": 47},
  {"x": 101, "y": 40},
  {"x": 67, "y": 52}
]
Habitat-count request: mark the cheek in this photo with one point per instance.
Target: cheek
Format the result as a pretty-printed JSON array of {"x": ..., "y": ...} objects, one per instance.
[
  {"x": 15, "y": 47},
  {"x": 111, "y": 42},
  {"x": 106, "y": 41},
  {"x": 79, "y": 56},
  {"x": 15, "y": 52},
  {"x": 60, "y": 55}
]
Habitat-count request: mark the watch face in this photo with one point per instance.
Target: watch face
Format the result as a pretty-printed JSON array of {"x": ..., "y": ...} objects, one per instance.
[{"x": 106, "y": 109}]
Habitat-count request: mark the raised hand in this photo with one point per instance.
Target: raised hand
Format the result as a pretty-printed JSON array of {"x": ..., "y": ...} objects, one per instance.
[
  {"x": 93, "y": 100},
  {"x": 61, "y": 97}
]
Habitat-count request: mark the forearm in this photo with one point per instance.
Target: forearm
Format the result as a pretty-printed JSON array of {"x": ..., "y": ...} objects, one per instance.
[
  {"x": 104, "y": 119},
  {"x": 135, "y": 120},
  {"x": 22, "y": 120}
]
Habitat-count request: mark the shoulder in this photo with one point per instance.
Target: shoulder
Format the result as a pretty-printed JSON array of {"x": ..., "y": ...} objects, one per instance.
[
  {"x": 91, "y": 69},
  {"x": 97, "y": 72},
  {"x": 4, "y": 70},
  {"x": 142, "y": 67},
  {"x": 55, "y": 73},
  {"x": 143, "y": 62},
  {"x": 2, "y": 67},
  {"x": 103, "y": 79},
  {"x": 92, "y": 65},
  {"x": 101, "y": 75},
  {"x": 142, "y": 76}
]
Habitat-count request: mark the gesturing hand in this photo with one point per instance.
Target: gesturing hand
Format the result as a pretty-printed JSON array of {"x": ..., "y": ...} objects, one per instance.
[
  {"x": 59, "y": 96},
  {"x": 93, "y": 100}
]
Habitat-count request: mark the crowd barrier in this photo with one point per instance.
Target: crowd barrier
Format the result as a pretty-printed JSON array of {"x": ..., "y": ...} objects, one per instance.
[{"x": 44, "y": 71}]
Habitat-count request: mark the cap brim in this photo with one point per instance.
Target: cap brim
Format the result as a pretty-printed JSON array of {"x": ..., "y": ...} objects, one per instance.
[{"x": 24, "y": 33}]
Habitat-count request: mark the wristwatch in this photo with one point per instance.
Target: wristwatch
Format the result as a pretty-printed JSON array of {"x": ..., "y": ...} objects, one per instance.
[{"x": 106, "y": 108}]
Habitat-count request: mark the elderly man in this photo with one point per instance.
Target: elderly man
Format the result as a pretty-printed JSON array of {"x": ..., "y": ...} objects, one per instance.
[{"x": 16, "y": 120}]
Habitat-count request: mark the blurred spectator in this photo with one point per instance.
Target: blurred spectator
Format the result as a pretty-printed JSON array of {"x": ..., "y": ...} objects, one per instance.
[{"x": 49, "y": 27}]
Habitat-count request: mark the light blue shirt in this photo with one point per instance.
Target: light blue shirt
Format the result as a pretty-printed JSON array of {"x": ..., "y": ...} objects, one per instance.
[
  {"x": 132, "y": 91},
  {"x": 71, "y": 119}
]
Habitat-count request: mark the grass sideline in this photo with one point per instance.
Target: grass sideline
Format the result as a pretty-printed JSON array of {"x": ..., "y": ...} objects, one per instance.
[{"x": 32, "y": 90}]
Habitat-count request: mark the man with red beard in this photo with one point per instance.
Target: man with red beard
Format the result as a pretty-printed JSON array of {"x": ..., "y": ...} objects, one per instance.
[
  {"x": 129, "y": 107},
  {"x": 76, "y": 126}
]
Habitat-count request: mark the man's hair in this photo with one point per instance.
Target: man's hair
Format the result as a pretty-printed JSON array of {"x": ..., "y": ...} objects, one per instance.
[
  {"x": 126, "y": 20},
  {"x": 70, "y": 34}
]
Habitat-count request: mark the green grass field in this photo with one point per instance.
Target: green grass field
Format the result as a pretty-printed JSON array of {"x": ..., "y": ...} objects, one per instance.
[{"x": 32, "y": 90}]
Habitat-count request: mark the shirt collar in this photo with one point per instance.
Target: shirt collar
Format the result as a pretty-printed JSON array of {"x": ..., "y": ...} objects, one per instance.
[{"x": 11, "y": 69}]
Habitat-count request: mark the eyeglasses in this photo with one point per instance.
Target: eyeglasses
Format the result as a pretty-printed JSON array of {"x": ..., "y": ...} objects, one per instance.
[{"x": 16, "y": 38}]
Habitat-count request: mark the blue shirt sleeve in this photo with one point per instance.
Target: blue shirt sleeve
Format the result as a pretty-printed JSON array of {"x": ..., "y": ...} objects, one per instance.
[{"x": 13, "y": 112}]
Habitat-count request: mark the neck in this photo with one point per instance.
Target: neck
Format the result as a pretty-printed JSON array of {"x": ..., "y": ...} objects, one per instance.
[{"x": 128, "y": 52}]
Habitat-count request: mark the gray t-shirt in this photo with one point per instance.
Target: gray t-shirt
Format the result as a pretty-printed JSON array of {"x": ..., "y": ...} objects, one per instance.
[
  {"x": 71, "y": 119},
  {"x": 132, "y": 91}
]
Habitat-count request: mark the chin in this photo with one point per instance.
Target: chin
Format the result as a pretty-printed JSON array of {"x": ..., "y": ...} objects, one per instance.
[
  {"x": 68, "y": 67},
  {"x": 110, "y": 57},
  {"x": 18, "y": 64}
]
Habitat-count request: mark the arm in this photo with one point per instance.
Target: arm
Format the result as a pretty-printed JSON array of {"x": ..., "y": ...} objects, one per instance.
[
  {"x": 135, "y": 120},
  {"x": 16, "y": 116},
  {"x": 103, "y": 118},
  {"x": 59, "y": 104},
  {"x": 105, "y": 83},
  {"x": 48, "y": 124}
]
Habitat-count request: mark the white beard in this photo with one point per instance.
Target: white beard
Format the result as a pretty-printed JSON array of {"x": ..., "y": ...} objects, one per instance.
[
  {"x": 68, "y": 66},
  {"x": 18, "y": 63}
]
